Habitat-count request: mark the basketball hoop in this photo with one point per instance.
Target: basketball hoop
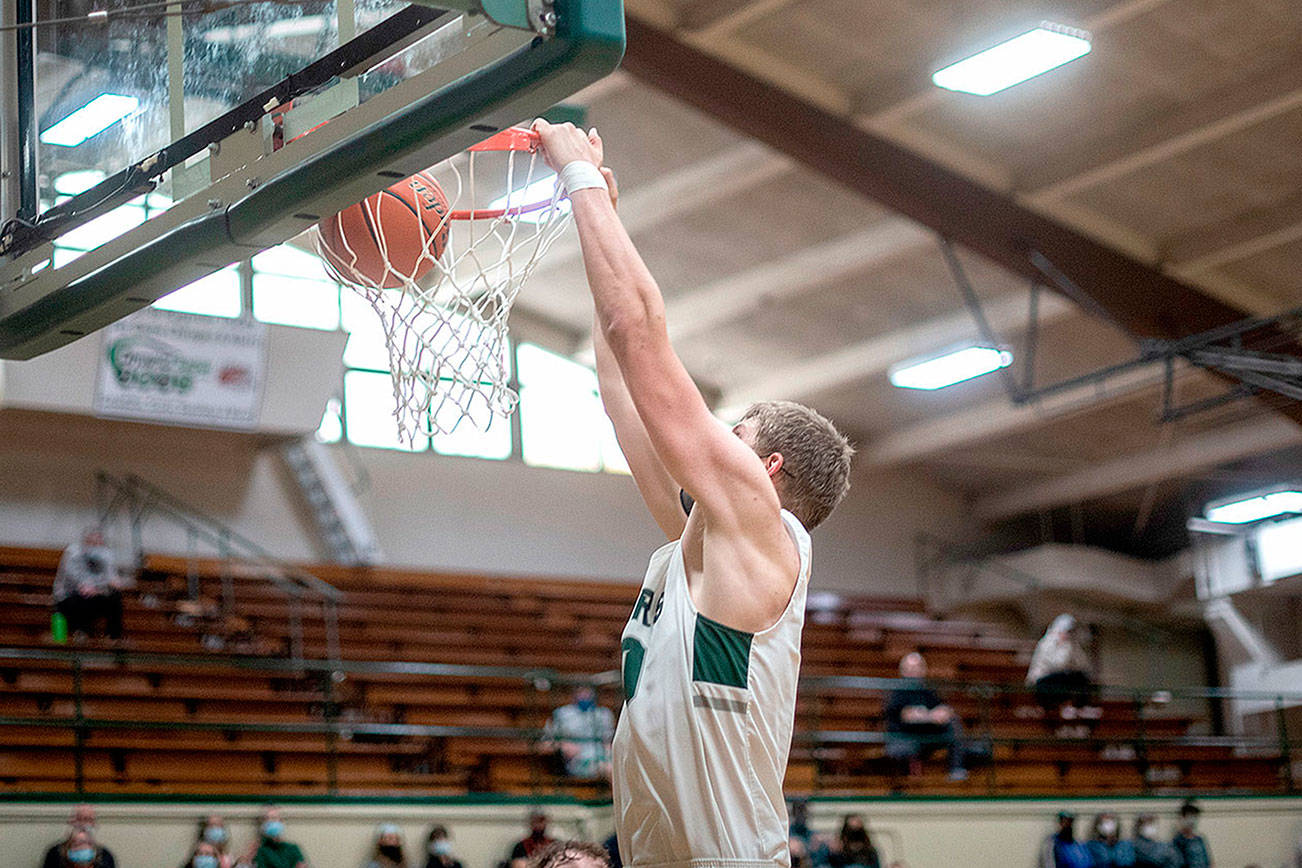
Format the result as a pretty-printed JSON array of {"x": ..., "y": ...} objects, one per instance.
[{"x": 442, "y": 271}]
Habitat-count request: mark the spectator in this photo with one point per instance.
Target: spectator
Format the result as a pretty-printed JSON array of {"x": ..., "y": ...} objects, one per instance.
[
  {"x": 439, "y": 847},
  {"x": 853, "y": 847},
  {"x": 88, "y": 587},
  {"x": 271, "y": 850},
  {"x": 581, "y": 733},
  {"x": 1106, "y": 847},
  {"x": 388, "y": 848},
  {"x": 212, "y": 830},
  {"x": 81, "y": 820},
  {"x": 1059, "y": 671},
  {"x": 814, "y": 845},
  {"x": 79, "y": 851},
  {"x": 204, "y": 855},
  {"x": 1191, "y": 846},
  {"x": 534, "y": 843},
  {"x": 1149, "y": 851},
  {"x": 570, "y": 854},
  {"x": 918, "y": 723},
  {"x": 612, "y": 851},
  {"x": 1061, "y": 849}
]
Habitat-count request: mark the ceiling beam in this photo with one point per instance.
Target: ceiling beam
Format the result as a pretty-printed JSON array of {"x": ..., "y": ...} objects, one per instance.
[
  {"x": 1141, "y": 298},
  {"x": 817, "y": 265},
  {"x": 997, "y": 418},
  {"x": 1129, "y": 472},
  {"x": 730, "y": 22},
  {"x": 1006, "y": 314},
  {"x": 1243, "y": 236},
  {"x": 1169, "y": 147}
]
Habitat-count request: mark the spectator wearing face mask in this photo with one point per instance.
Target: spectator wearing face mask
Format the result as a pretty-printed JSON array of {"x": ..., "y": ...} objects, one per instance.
[
  {"x": 853, "y": 847},
  {"x": 82, "y": 820},
  {"x": 1062, "y": 850},
  {"x": 1106, "y": 847},
  {"x": 388, "y": 848},
  {"x": 439, "y": 847},
  {"x": 271, "y": 850},
  {"x": 581, "y": 733},
  {"x": 213, "y": 831},
  {"x": 205, "y": 855},
  {"x": 81, "y": 851},
  {"x": 1149, "y": 851},
  {"x": 1191, "y": 846}
]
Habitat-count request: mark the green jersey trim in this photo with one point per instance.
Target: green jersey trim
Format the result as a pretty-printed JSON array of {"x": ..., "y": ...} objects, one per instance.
[{"x": 721, "y": 655}]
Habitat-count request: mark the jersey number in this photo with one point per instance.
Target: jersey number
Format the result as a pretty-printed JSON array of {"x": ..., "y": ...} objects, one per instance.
[{"x": 634, "y": 652}]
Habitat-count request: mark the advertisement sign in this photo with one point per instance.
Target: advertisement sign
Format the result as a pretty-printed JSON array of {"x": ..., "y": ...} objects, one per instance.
[{"x": 182, "y": 369}]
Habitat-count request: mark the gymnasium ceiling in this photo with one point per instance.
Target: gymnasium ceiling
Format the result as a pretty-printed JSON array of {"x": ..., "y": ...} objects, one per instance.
[{"x": 1176, "y": 142}]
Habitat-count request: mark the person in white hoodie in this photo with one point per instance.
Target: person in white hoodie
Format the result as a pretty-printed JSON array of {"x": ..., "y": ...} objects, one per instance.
[{"x": 1059, "y": 671}]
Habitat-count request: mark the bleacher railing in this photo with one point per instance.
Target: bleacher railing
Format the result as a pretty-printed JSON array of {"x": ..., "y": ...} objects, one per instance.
[
  {"x": 138, "y": 501},
  {"x": 546, "y": 689}
]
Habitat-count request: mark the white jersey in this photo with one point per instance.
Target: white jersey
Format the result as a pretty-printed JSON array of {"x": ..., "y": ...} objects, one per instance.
[{"x": 701, "y": 747}]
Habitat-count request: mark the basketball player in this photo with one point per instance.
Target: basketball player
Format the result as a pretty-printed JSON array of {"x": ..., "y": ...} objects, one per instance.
[{"x": 711, "y": 651}]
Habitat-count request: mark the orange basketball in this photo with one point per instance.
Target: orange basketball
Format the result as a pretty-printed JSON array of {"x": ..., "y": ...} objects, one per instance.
[{"x": 404, "y": 226}]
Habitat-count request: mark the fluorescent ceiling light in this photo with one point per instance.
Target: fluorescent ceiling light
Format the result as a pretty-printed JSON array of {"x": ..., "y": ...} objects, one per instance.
[
  {"x": 1008, "y": 63},
  {"x": 949, "y": 369},
  {"x": 94, "y": 117},
  {"x": 540, "y": 190},
  {"x": 1256, "y": 508}
]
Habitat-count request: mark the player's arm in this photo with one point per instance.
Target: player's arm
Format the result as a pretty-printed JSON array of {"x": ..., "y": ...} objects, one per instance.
[
  {"x": 721, "y": 472},
  {"x": 658, "y": 489}
]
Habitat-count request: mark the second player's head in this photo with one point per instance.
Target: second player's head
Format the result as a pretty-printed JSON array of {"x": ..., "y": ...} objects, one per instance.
[{"x": 815, "y": 472}]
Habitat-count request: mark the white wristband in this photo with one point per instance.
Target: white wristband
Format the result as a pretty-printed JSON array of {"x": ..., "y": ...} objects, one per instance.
[{"x": 581, "y": 175}]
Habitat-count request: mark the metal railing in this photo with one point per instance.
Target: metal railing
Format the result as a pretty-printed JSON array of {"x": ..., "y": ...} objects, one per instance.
[
  {"x": 138, "y": 501},
  {"x": 539, "y": 683}
]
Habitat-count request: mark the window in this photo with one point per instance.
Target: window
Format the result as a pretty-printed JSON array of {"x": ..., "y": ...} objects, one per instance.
[
  {"x": 217, "y": 294},
  {"x": 562, "y": 422},
  {"x": 291, "y": 287}
]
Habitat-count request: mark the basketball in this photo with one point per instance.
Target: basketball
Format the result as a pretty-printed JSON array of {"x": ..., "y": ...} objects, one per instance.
[{"x": 393, "y": 235}]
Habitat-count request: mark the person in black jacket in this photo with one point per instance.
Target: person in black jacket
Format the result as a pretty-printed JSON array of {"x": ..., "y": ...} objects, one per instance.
[
  {"x": 439, "y": 847},
  {"x": 854, "y": 847},
  {"x": 918, "y": 723},
  {"x": 82, "y": 821}
]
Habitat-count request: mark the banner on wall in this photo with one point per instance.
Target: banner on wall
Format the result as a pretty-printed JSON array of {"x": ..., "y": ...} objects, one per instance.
[{"x": 182, "y": 369}]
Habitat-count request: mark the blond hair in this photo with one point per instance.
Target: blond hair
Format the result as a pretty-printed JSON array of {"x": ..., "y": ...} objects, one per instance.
[{"x": 815, "y": 457}]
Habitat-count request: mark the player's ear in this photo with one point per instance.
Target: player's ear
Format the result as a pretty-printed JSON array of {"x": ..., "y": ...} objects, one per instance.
[{"x": 773, "y": 464}]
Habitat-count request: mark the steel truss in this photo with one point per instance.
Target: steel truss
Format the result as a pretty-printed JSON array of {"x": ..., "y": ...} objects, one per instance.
[{"x": 1242, "y": 351}]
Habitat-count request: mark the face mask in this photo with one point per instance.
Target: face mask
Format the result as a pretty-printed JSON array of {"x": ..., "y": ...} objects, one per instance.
[
  {"x": 214, "y": 834},
  {"x": 82, "y": 855},
  {"x": 586, "y": 704},
  {"x": 273, "y": 828},
  {"x": 440, "y": 848},
  {"x": 392, "y": 852},
  {"x": 1148, "y": 830},
  {"x": 1107, "y": 827},
  {"x": 204, "y": 860}
]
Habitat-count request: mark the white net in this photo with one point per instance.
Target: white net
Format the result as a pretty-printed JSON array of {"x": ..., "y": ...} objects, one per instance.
[{"x": 445, "y": 317}]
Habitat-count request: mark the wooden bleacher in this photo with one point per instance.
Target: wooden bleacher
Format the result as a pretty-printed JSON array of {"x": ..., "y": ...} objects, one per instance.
[{"x": 565, "y": 626}]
